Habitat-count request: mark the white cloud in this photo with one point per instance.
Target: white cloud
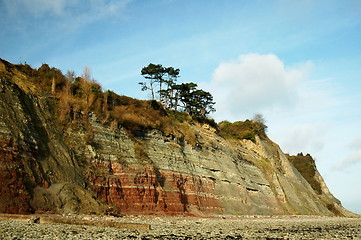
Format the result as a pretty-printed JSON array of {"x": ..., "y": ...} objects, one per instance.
[
  {"x": 255, "y": 83},
  {"x": 299, "y": 110},
  {"x": 306, "y": 138},
  {"x": 353, "y": 157}
]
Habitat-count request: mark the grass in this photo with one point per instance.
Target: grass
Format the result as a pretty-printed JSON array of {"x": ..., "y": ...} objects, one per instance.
[
  {"x": 240, "y": 130},
  {"x": 307, "y": 167},
  {"x": 75, "y": 98}
]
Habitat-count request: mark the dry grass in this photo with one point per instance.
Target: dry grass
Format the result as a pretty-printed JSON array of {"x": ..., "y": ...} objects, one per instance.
[
  {"x": 238, "y": 130},
  {"x": 76, "y": 98}
]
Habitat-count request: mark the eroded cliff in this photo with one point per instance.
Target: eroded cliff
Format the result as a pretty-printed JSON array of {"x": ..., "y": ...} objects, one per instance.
[{"x": 90, "y": 163}]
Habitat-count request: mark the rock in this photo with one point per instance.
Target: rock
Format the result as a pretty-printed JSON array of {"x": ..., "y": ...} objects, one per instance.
[
  {"x": 88, "y": 167},
  {"x": 301, "y": 227},
  {"x": 34, "y": 219}
]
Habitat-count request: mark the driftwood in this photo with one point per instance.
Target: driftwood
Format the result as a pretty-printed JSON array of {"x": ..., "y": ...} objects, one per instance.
[
  {"x": 56, "y": 219},
  {"x": 16, "y": 217}
]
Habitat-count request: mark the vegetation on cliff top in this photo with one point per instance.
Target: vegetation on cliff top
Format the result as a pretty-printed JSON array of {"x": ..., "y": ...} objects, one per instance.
[
  {"x": 186, "y": 96},
  {"x": 76, "y": 98},
  {"x": 172, "y": 109},
  {"x": 244, "y": 129}
]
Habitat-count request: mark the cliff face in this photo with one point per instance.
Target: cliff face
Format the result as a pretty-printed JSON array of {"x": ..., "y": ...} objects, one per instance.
[
  {"x": 91, "y": 167},
  {"x": 35, "y": 161}
]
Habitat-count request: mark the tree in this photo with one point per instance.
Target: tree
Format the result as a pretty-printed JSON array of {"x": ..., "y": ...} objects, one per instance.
[
  {"x": 203, "y": 102},
  {"x": 162, "y": 77},
  {"x": 87, "y": 75},
  {"x": 70, "y": 76},
  {"x": 196, "y": 102},
  {"x": 174, "y": 96},
  {"x": 261, "y": 126},
  {"x": 70, "y": 79},
  {"x": 154, "y": 73},
  {"x": 185, "y": 95},
  {"x": 167, "y": 95},
  {"x": 53, "y": 85},
  {"x": 86, "y": 78}
]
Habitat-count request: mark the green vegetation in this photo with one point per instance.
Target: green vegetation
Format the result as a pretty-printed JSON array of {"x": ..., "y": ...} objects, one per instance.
[
  {"x": 244, "y": 129},
  {"x": 185, "y": 96},
  {"x": 307, "y": 167},
  {"x": 79, "y": 97}
]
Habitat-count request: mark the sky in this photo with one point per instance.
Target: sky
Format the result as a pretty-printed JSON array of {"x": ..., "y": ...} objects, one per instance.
[{"x": 296, "y": 62}]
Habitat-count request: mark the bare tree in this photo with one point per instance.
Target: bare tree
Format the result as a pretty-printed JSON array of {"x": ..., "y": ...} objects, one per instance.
[
  {"x": 87, "y": 75},
  {"x": 70, "y": 76},
  {"x": 260, "y": 123},
  {"x": 86, "y": 82}
]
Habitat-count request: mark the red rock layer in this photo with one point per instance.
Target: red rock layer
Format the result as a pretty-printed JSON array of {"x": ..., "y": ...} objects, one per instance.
[
  {"x": 15, "y": 196},
  {"x": 147, "y": 189}
]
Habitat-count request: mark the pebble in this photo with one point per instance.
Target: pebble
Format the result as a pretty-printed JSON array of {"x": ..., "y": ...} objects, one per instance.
[{"x": 286, "y": 227}]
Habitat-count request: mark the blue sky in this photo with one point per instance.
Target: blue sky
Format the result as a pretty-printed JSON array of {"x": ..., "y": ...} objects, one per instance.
[{"x": 296, "y": 62}]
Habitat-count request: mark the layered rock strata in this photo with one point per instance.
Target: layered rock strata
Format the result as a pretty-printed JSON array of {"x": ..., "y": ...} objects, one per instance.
[{"x": 46, "y": 167}]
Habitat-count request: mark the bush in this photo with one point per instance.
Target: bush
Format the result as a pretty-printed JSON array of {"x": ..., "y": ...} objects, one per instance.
[
  {"x": 76, "y": 97},
  {"x": 205, "y": 120},
  {"x": 239, "y": 130},
  {"x": 179, "y": 116},
  {"x": 307, "y": 167}
]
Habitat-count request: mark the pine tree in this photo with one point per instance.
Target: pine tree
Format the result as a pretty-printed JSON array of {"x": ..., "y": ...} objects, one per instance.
[{"x": 154, "y": 73}]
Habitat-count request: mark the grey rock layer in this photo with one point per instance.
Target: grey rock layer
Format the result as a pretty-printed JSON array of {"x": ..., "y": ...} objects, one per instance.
[{"x": 46, "y": 167}]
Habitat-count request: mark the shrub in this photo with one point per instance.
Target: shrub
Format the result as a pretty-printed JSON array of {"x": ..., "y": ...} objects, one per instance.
[
  {"x": 76, "y": 97},
  {"x": 307, "y": 167},
  {"x": 239, "y": 130}
]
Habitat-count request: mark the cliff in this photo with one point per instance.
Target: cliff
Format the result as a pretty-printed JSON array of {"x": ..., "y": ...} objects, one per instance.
[{"x": 66, "y": 152}]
